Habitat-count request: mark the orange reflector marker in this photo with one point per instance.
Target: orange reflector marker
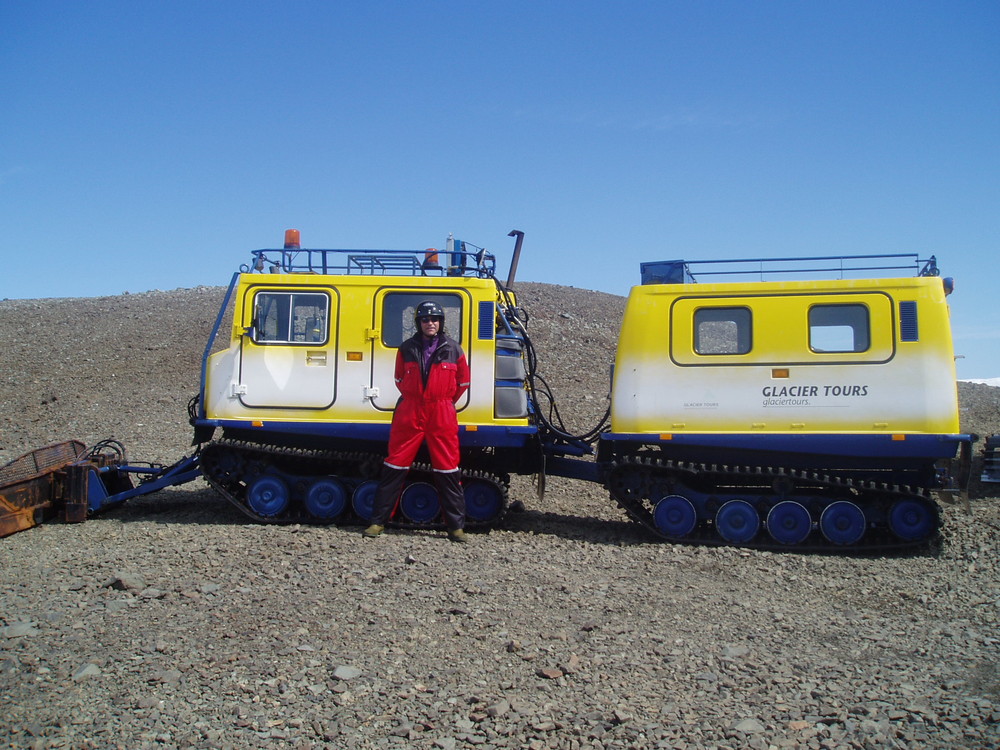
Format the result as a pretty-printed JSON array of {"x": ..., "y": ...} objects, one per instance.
[
  {"x": 292, "y": 239},
  {"x": 666, "y": 436},
  {"x": 355, "y": 356},
  {"x": 779, "y": 372},
  {"x": 256, "y": 423},
  {"x": 899, "y": 437},
  {"x": 471, "y": 428}
]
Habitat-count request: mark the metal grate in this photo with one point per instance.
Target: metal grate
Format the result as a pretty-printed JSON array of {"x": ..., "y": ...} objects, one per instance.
[
  {"x": 41, "y": 460},
  {"x": 908, "y": 328},
  {"x": 486, "y": 315}
]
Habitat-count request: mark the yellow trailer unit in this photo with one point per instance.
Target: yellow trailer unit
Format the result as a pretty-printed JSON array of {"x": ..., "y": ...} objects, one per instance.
[{"x": 789, "y": 412}]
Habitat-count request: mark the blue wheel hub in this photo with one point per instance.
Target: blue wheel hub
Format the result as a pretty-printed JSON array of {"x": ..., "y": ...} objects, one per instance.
[
  {"x": 911, "y": 520},
  {"x": 789, "y": 522},
  {"x": 419, "y": 502},
  {"x": 268, "y": 495},
  {"x": 326, "y": 498},
  {"x": 675, "y": 516},
  {"x": 737, "y": 521},
  {"x": 843, "y": 522},
  {"x": 483, "y": 500},
  {"x": 363, "y": 499}
]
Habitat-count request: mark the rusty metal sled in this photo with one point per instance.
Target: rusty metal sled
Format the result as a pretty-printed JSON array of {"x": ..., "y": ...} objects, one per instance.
[{"x": 67, "y": 481}]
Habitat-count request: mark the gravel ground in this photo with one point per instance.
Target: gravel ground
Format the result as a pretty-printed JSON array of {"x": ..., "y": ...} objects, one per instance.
[{"x": 174, "y": 623}]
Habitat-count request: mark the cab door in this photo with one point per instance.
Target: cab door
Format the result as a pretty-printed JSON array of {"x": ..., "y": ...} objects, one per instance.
[
  {"x": 393, "y": 313},
  {"x": 288, "y": 355}
]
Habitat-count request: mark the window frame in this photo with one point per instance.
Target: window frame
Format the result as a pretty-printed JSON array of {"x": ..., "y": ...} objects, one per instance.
[
  {"x": 744, "y": 330},
  {"x": 865, "y": 328},
  {"x": 289, "y": 339},
  {"x": 451, "y": 301}
]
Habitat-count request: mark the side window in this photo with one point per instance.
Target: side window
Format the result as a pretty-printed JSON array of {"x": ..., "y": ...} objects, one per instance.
[
  {"x": 398, "y": 309},
  {"x": 291, "y": 318},
  {"x": 722, "y": 330},
  {"x": 839, "y": 328}
]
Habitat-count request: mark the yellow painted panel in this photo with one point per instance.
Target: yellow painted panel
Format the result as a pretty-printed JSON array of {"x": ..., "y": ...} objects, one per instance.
[
  {"x": 780, "y": 327},
  {"x": 780, "y": 385},
  {"x": 353, "y": 361}
]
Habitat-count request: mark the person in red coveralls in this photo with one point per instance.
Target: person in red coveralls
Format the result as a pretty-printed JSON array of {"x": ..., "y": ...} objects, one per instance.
[{"x": 431, "y": 374}]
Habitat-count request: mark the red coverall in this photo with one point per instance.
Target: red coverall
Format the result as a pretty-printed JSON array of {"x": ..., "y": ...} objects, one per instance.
[{"x": 426, "y": 411}]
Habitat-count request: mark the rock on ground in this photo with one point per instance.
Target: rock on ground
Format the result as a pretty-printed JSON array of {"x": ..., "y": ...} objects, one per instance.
[{"x": 174, "y": 623}]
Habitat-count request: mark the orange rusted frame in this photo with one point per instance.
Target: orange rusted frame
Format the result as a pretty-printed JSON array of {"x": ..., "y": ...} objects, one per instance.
[{"x": 36, "y": 487}]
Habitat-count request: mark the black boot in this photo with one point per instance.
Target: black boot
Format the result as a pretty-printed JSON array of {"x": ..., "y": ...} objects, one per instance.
[{"x": 449, "y": 489}]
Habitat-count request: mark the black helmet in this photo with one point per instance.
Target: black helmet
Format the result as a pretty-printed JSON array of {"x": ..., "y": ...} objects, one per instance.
[{"x": 428, "y": 309}]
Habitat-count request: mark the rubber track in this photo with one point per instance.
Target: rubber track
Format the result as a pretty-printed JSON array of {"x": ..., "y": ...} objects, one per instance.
[
  {"x": 991, "y": 459},
  {"x": 760, "y": 480},
  {"x": 256, "y": 458}
]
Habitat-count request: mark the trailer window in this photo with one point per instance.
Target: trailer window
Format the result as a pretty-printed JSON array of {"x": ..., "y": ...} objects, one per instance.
[
  {"x": 291, "y": 318},
  {"x": 398, "y": 309},
  {"x": 839, "y": 328},
  {"x": 722, "y": 330}
]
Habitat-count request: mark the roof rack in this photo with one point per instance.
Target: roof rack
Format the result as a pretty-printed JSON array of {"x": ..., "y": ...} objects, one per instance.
[
  {"x": 461, "y": 259},
  {"x": 681, "y": 271}
]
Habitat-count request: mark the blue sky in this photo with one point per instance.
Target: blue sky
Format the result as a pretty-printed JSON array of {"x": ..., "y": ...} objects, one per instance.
[{"x": 152, "y": 145}]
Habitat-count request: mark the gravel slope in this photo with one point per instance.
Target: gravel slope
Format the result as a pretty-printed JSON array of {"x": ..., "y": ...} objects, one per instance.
[{"x": 173, "y": 623}]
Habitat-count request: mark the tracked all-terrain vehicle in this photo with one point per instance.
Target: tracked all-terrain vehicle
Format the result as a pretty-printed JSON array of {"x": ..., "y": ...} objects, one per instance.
[
  {"x": 820, "y": 413},
  {"x": 796, "y": 414},
  {"x": 300, "y": 398}
]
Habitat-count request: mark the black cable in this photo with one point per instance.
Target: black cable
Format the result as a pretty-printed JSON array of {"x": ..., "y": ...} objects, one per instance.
[
  {"x": 537, "y": 386},
  {"x": 193, "y": 408},
  {"x": 111, "y": 445}
]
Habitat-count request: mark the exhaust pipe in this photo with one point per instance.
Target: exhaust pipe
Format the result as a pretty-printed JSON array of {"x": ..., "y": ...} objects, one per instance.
[{"x": 517, "y": 254}]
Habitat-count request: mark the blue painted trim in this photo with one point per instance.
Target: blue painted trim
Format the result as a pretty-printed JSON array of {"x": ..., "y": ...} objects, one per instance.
[
  {"x": 96, "y": 492},
  {"x": 211, "y": 341},
  {"x": 185, "y": 470},
  {"x": 914, "y": 446},
  {"x": 500, "y": 436},
  {"x": 482, "y": 436},
  {"x": 679, "y": 271},
  {"x": 572, "y": 468},
  {"x": 353, "y": 430}
]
